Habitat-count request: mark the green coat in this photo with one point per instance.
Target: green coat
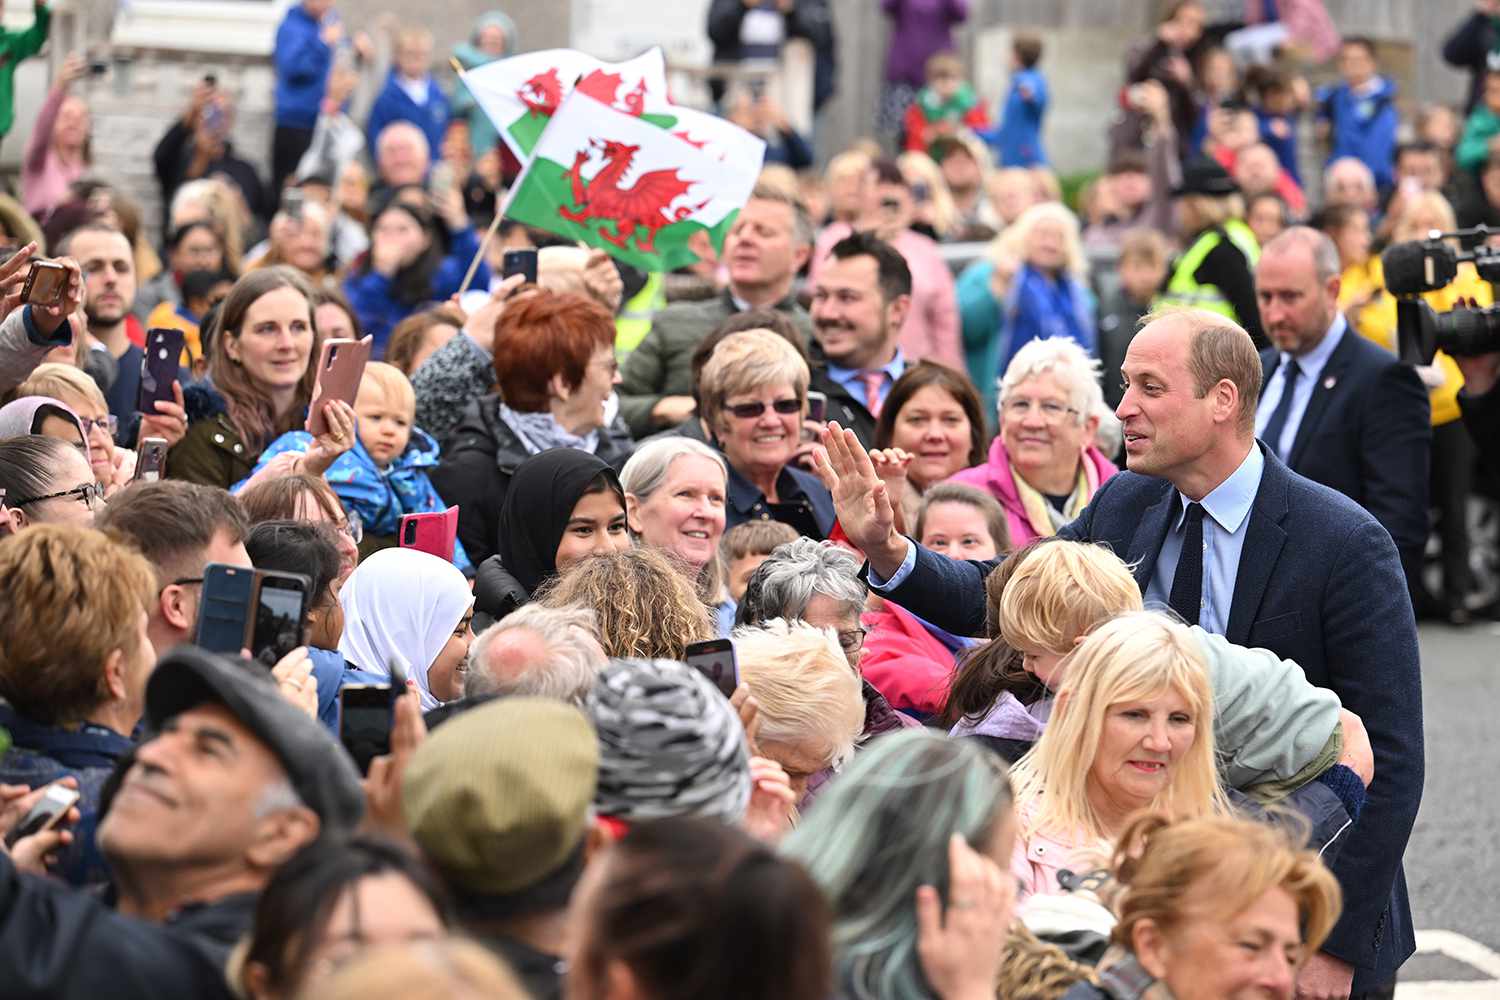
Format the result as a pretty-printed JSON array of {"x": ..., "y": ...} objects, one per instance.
[
  {"x": 15, "y": 46},
  {"x": 211, "y": 453},
  {"x": 663, "y": 363}
]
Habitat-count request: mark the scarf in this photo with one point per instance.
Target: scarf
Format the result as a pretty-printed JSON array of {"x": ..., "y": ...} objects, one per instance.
[
  {"x": 402, "y": 605},
  {"x": 953, "y": 108},
  {"x": 1041, "y": 515},
  {"x": 1122, "y": 978},
  {"x": 543, "y": 491},
  {"x": 540, "y": 431}
]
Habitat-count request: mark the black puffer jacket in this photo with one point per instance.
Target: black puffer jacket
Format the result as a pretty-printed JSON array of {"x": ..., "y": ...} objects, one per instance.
[{"x": 496, "y": 594}]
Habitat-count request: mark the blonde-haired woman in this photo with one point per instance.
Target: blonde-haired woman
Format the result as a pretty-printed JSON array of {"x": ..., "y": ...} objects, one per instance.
[
  {"x": 933, "y": 203},
  {"x": 675, "y": 495},
  {"x": 1132, "y": 729},
  {"x": 811, "y": 710},
  {"x": 69, "y": 385},
  {"x": 1193, "y": 892},
  {"x": 1216, "y": 271}
]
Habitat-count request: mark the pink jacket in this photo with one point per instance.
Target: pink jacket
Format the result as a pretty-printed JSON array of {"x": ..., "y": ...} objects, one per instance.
[
  {"x": 44, "y": 178},
  {"x": 932, "y": 329},
  {"x": 1038, "y": 858},
  {"x": 905, "y": 662},
  {"x": 994, "y": 477}
]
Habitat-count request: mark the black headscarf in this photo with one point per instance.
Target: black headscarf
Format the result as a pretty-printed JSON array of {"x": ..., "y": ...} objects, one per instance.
[{"x": 543, "y": 492}]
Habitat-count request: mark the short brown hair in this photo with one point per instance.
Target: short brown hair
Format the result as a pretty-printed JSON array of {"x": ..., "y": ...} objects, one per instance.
[
  {"x": 803, "y": 232},
  {"x": 406, "y": 336},
  {"x": 542, "y": 334},
  {"x": 1028, "y": 49},
  {"x": 972, "y": 496},
  {"x": 277, "y": 499},
  {"x": 1144, "y": 244},
  {"x": 952, "y": 381},
  {"x": 745, "y": 362},
  {"x": 72, "y": 597},
  {"x": 1218, "y": 350},
  {"x": 945, "y": 63},
  {"x": 755, "y": 538},
  {"x": 171, "y": 522}
]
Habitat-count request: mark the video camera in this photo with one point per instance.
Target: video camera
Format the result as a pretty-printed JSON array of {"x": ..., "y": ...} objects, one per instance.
[{"x": 1426, "y": 265}]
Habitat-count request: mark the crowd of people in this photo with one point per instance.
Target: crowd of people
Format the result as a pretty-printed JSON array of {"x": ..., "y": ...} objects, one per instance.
[{"x": 1071, "y": 591}]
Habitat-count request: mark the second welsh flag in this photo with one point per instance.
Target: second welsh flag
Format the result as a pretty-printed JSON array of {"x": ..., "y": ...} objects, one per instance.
[{"x": 622, "y": 183}]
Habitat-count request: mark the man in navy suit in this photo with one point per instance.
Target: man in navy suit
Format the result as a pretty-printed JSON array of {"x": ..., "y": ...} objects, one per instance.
[
  {"x": 1283, "y": 563},
  {"x": 1336, "y": 408}
]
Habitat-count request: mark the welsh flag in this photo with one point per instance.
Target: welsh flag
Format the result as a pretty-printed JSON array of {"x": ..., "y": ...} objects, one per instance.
[
  {"x": 634, "y": 188},
  {"x": 521, "y": 94}
]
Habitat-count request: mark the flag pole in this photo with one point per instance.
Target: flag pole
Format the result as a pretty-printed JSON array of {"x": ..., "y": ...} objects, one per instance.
[{"x": 500, "y": 210}]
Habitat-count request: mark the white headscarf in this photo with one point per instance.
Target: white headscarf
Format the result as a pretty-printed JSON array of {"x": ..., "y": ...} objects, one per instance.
[{"x": 402, "y": 604}]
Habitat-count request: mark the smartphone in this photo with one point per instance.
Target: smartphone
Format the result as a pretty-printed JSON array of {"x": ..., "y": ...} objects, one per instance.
[
  {"x": 817, "y": 406},
  {"x": 213, "y": 118},
  {"x": 340, "y": 367},
  {"x": 519, "y": 262},
  {"x": 279, "y": 622},
  {"x": 150, "y": 461},
  {"x": 292, "y": 201},
  {"x": 46, "y": 283},
  {"x": 715, "y": 660},
  {"x": 440, "y": 181},
  {"x": 49, "y": 810},
  {"x": 225, "y": 610},
  {"x": 98, "y": 67},
  {"x": 160, "y": 363},
  {"x": 435, "y": 532},
  {"x": 366, "y": 713}
]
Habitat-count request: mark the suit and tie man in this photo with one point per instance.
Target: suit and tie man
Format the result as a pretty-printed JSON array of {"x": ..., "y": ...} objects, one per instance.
[
  {"x": 1219, "y": 529},
  {"x": 1337, "y": 408}
]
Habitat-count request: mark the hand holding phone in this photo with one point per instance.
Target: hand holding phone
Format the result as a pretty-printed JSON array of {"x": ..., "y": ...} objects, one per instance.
[
  {"x": 47, "y": 813},
  {"x": 46, "y": 283},
  {"x": 341, "y": 365},
  {"x": 159, "y": 367},
  {"x": 367, "y": 716},
  {"x": 715, "y": 659},
  {"x": 259, "y": 610},
  {"x": 521, "y": 262},
  {"x": 151, "y": 460}
]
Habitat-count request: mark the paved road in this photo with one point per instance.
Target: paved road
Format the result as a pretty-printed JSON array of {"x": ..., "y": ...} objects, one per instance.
[{"x": 1453, "y": 860}]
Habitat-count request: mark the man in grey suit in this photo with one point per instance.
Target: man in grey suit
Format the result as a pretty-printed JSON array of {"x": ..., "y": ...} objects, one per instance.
[{"x": 1223, "y": 533}]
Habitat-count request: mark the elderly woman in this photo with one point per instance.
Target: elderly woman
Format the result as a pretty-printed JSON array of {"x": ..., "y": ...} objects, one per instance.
[
  {"x": 885, "y": 829},
  {"x": 811, "y": 712},
  {"x": 1194, "y": 893},
  {"x": 552, "y": 356},
  {"x": 645, "y": 609},
  {"x": 675, "y": 491},
  {"x": 1044, "y": 467},
  {"x": 46, "y": 481},
  {"x": 1132, "y": 728},
  {"x": 754, "y": 392}
]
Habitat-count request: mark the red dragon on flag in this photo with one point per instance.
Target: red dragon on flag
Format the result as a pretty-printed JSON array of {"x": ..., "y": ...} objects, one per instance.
[
  {"x": 542, "y": 93},
  {"x": 605, "y": 88},
  {"x": 638, "y": 211}
]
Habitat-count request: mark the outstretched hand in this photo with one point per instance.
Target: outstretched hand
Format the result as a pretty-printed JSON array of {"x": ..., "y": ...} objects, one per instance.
[{"x": 861, "y": 499}]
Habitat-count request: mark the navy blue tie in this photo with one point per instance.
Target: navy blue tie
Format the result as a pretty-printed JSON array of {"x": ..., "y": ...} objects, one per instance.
[
  {"x": 1187, "y": 583},
  {"x": 1277, "y": 424}
]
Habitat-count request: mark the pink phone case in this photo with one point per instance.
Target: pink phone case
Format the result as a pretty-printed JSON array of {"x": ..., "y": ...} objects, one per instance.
[
  {"x": 434, "y": 533},
  {"x": 340, "y": 367}
]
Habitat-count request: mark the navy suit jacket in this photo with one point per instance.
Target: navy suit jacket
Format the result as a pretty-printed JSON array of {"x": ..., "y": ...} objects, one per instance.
[
  {"x": 1319, "y": 582},
  {"x": 1367, "y": 432}
]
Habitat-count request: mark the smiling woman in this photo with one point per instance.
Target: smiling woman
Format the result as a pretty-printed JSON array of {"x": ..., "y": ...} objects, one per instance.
[{"x": 1132, "y": 729}]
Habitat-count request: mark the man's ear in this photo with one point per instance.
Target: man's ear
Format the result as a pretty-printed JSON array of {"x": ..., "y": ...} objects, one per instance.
[
  {"x": 281, "y": 835},
  {"x": 800, "y": 257},
  {"x": 174, "y": 609},
  {"x": 895, "y": 312}
]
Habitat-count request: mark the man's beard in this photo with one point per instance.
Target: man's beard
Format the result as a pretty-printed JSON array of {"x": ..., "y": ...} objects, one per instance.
[{"x": 101, "y": 319}]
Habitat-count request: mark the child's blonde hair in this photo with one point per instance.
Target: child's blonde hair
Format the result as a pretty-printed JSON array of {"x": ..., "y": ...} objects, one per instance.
[
  {"x": 1062, "y": 591},
  {"x": 391, "y": 385}
]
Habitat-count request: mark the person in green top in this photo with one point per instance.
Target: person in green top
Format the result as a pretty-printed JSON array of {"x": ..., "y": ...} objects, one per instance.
[
  {"x": 1482, "y": 126},
  {"x": 14, "y": 47}
]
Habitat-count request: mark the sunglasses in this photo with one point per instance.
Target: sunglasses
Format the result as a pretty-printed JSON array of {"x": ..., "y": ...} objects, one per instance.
[{"x": 749, "y": 411}]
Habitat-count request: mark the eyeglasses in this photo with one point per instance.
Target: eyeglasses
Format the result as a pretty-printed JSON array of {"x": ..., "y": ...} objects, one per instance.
[
  {"x": 1053, "y": 412},
  {"x": 749, "y": 411},
  {"x": 852, "y": 640},
  {"x": 353, "y": 526},
  {"x": 109, "y": 423},
  {"x": 85, "y": 494}
]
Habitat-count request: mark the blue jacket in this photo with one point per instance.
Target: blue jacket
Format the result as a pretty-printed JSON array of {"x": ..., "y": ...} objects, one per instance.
[
  {"x": 1017, "y": 140},
  {"x": 1285, "y": 148},
  {"x": 1040, "y": 307},
  {"x": 374, "y": 301},
  {"x": 1319, "y": 582},
  {"x": 380, "y": 496},
  {"x": 41, "y": 754},
  {"x": 302, "y": 60},
  {"x": 1363, "y": 127},
  {"x": 395, "y": 105}
]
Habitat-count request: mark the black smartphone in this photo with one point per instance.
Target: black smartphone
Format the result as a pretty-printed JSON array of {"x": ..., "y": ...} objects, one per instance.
[
  {"x": 365, "y": 715},
  {"x": 817, "y": 406},
  {"x": 225, "y": 608},
  {"x": 159, "y": 367},
  {"x": 280, "y": 616},
  {"x": 150, "y": 461},
  {"x": 519, "y": 262},
  {"x": 51, "y": 808},
  {"x": 715, "y": 660}
]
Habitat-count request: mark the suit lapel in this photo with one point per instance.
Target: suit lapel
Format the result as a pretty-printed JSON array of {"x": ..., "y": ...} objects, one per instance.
[
  {"x": 1328, "y": 384},
  {"x": 1264, "y": 538},
  {"x": 1145, "y": 544}
]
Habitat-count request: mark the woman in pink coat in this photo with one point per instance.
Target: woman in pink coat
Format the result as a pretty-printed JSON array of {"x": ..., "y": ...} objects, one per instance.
[{"x": 1044, "y": 467}]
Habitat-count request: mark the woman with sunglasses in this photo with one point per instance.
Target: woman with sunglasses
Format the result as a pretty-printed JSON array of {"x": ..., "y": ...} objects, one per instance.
[
  {"x": 46, "y": 481},
  {"x": 754, "y": 392}
]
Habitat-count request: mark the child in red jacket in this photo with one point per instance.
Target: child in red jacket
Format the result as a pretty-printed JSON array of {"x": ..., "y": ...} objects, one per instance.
[{"x": 947, "y": 105}]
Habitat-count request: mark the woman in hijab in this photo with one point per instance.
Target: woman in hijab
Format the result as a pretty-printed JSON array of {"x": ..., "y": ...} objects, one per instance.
[
  {"x": 408, "y": 607},
  {"x": 45, "y": 416},
  {"x": 563, "y": 505}
]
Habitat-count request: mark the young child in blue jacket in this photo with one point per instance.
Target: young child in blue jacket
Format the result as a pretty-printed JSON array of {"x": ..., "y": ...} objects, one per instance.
[
  {"x": 1359, "y": 116},
  {"x": 385, "y": 474}
]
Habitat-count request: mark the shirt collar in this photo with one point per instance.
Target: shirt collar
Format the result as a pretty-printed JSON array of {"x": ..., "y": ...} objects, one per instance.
[
  {"x": 893, "y": 368},
  {"x": 743, "y": 494},
  {"x": 1229, "y": 503},
  {"x": 1311, "y": 364}
]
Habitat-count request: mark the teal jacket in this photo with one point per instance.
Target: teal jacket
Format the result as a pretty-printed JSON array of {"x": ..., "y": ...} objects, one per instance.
[{"x": 15, "y": 46}]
